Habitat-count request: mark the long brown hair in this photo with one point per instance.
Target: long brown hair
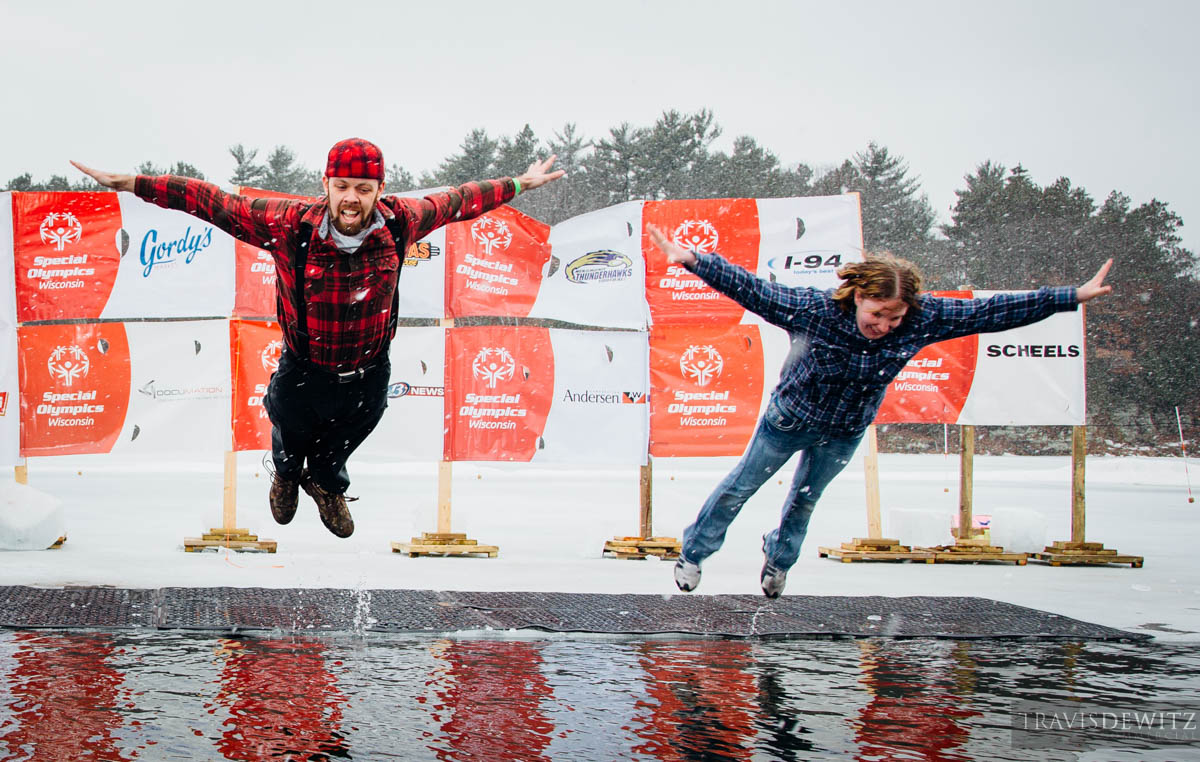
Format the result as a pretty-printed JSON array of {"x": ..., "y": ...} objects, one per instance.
[{"x": 879, "y": 276}]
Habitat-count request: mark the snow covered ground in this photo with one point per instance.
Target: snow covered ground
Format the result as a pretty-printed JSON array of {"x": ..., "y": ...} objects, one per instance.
[{"x": 126, "y": 522}]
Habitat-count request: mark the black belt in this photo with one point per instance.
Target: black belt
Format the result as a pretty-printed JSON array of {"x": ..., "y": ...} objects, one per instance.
[{"x": 341, "y": 377}]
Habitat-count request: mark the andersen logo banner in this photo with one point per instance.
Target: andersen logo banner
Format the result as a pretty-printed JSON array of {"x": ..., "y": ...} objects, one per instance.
[{"x": 550, "y": 395}]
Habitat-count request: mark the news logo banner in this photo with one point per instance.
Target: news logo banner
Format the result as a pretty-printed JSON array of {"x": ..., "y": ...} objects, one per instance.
[{"x": 413, "y": 426}]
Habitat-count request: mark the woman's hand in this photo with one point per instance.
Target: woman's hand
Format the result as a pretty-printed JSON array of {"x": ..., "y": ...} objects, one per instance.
[{"x": 676, "y": 254}]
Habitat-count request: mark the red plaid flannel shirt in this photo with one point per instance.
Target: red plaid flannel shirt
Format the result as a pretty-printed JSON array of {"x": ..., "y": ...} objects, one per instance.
[{"x": 348, "y": 294}]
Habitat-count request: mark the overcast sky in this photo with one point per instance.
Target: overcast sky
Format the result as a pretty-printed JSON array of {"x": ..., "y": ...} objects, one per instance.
[{"x": 1103, "y": 93}]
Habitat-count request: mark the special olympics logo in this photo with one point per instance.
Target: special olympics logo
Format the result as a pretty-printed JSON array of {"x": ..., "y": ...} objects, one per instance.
[
  {"x": 701, "y": 364},
  {"x": 494, "y": 364},
  {"x": 60, "y": 229},
  {"x": 696, "y": 235},
  {"x": 270, "y": 356},
  {"x": 68, "y": 364},
  {"x": 491, "y": 234}
]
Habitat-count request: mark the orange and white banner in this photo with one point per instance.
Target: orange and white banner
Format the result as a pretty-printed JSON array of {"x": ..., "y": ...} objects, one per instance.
[
  {"x": 708, "y": 386},
  {"x": 525, "y": 394},
  {"x": 412, "y": 427},
  {"x": 796, "y": 241},
  {"x": 112, "y": 255},
  {"x": 10, "y": 417},
  {"x": 1031, "y": 376},
  {"x": 116, "y": 387}
]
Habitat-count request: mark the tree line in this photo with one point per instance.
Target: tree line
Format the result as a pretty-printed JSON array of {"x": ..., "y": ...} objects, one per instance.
[{"x": 1005, "y": 232}]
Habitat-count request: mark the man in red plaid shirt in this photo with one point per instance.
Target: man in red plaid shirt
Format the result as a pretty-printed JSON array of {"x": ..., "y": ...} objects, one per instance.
[{"x": 337, "y": 262}]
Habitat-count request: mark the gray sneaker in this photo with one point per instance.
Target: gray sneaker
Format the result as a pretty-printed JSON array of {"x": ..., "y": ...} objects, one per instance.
[
  {"x": 773, "y": 578},
  {"x": 687, "y": 575}
]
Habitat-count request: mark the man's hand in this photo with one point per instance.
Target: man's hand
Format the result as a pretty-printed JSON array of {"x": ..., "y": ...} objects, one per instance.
[
  {"x": 107, "y": 179},
  {"x": 539, "y": 174},
  {"x": 676, "y": 254},
  {"x": 1094, "y": 287}
]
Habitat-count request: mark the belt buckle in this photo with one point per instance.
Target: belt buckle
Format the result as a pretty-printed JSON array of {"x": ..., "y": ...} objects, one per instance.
[{"x": 350, "y": 375}]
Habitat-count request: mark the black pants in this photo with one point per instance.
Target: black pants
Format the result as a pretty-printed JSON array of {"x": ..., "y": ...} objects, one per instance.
[{"x": 318, "y": 420}]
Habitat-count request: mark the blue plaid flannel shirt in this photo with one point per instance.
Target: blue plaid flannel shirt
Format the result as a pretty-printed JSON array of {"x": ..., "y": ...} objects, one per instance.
[{"x": 835, "y": 378}]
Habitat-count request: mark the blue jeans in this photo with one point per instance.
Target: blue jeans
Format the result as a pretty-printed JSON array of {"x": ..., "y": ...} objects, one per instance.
[{"x": 779, "y": 436}]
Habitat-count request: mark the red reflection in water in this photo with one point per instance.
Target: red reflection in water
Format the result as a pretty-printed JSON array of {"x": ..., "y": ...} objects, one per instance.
[
  {"x": 703, "y": 700},
  {"x": 64, "y": 692},
  {"x": 493, "y": 692},
  {"x": 283, "y": 702},
  {"x": 913, "y": 708}
]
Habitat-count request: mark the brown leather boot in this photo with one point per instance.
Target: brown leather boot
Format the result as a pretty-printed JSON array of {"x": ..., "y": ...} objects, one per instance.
[
  {"x": 332, "y": 507},
  {"x": 285, "y": 496}
]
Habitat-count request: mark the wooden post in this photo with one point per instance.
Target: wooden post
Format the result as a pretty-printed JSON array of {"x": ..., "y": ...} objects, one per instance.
[
  {"x": 445, "y": 477},
  {"x": 1078, "y": 457},
  {"x": 966, "y": 482},
  {"x": 229, "y": 535},
  {"x": 871, "y": 472},
  {"x": 444, "y": 542},
  {"x": 646, "y": 488},
  {"x": 21, "y": 473},
  {"x": 229, "y": 509}
]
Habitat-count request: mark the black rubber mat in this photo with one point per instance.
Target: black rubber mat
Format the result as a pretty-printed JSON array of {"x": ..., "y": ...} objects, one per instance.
[{"x": 227, "y": 609}]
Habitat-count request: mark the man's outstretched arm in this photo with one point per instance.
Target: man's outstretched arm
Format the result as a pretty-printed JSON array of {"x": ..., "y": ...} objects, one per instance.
[{"x": 107, "y": 179}]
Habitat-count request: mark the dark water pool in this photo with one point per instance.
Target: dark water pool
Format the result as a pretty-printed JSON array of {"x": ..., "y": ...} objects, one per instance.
[{"x": 169, "y": 695}]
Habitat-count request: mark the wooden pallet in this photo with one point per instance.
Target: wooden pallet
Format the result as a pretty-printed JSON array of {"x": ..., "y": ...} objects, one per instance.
[
  {"x": 234, "y": 539},
  {"x": 444, "y": 544},
  {"x": 973, "y": 550},
  {"x": 58, "y": 543},
  {"x": 874, "y": 549},
  {"x": 1065, "y": 553},
  {"x": 641, "y": 547}
]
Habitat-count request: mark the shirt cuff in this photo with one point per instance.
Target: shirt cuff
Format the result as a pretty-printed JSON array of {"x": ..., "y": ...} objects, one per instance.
[{"x": 1065, "y": 298}]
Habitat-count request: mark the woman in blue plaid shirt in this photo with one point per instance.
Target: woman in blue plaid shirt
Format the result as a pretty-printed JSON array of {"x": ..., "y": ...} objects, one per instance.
[{"x": 850, "y": 343}]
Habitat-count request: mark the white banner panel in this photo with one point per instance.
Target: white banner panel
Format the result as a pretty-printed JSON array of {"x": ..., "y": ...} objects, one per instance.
[
  {"x": 596, "y": 274},
  {"x": 172, "y": 265},
  {"x": 179, "y": 390},
  {"x": 423, "y": 278},
  {"x": 412, "y": 427},
  {"x": 803, "y": 241},
  {"x": 1031, "y": 376},
  {"x": 599, "y": 411},
  {"x": 10, "y": 406}
]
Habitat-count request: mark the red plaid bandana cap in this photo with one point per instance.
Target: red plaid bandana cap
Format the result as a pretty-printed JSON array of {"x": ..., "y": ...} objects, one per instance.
[{"x": 355, "y": 157}]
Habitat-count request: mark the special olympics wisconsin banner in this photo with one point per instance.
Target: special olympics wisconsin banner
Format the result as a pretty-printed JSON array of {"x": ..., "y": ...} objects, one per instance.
[
  {"x": 1028, "y": 376},
  {"x": 795, "y": 241},
  {"x": 10, "y": 408},
  {"x": 112, "y": 255},
  {"x": 117, "y": 387},
  {"x": 495, "y": 264},
  {"x": 553, "y": 395},
  {"x": 708, "y": 386}
]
